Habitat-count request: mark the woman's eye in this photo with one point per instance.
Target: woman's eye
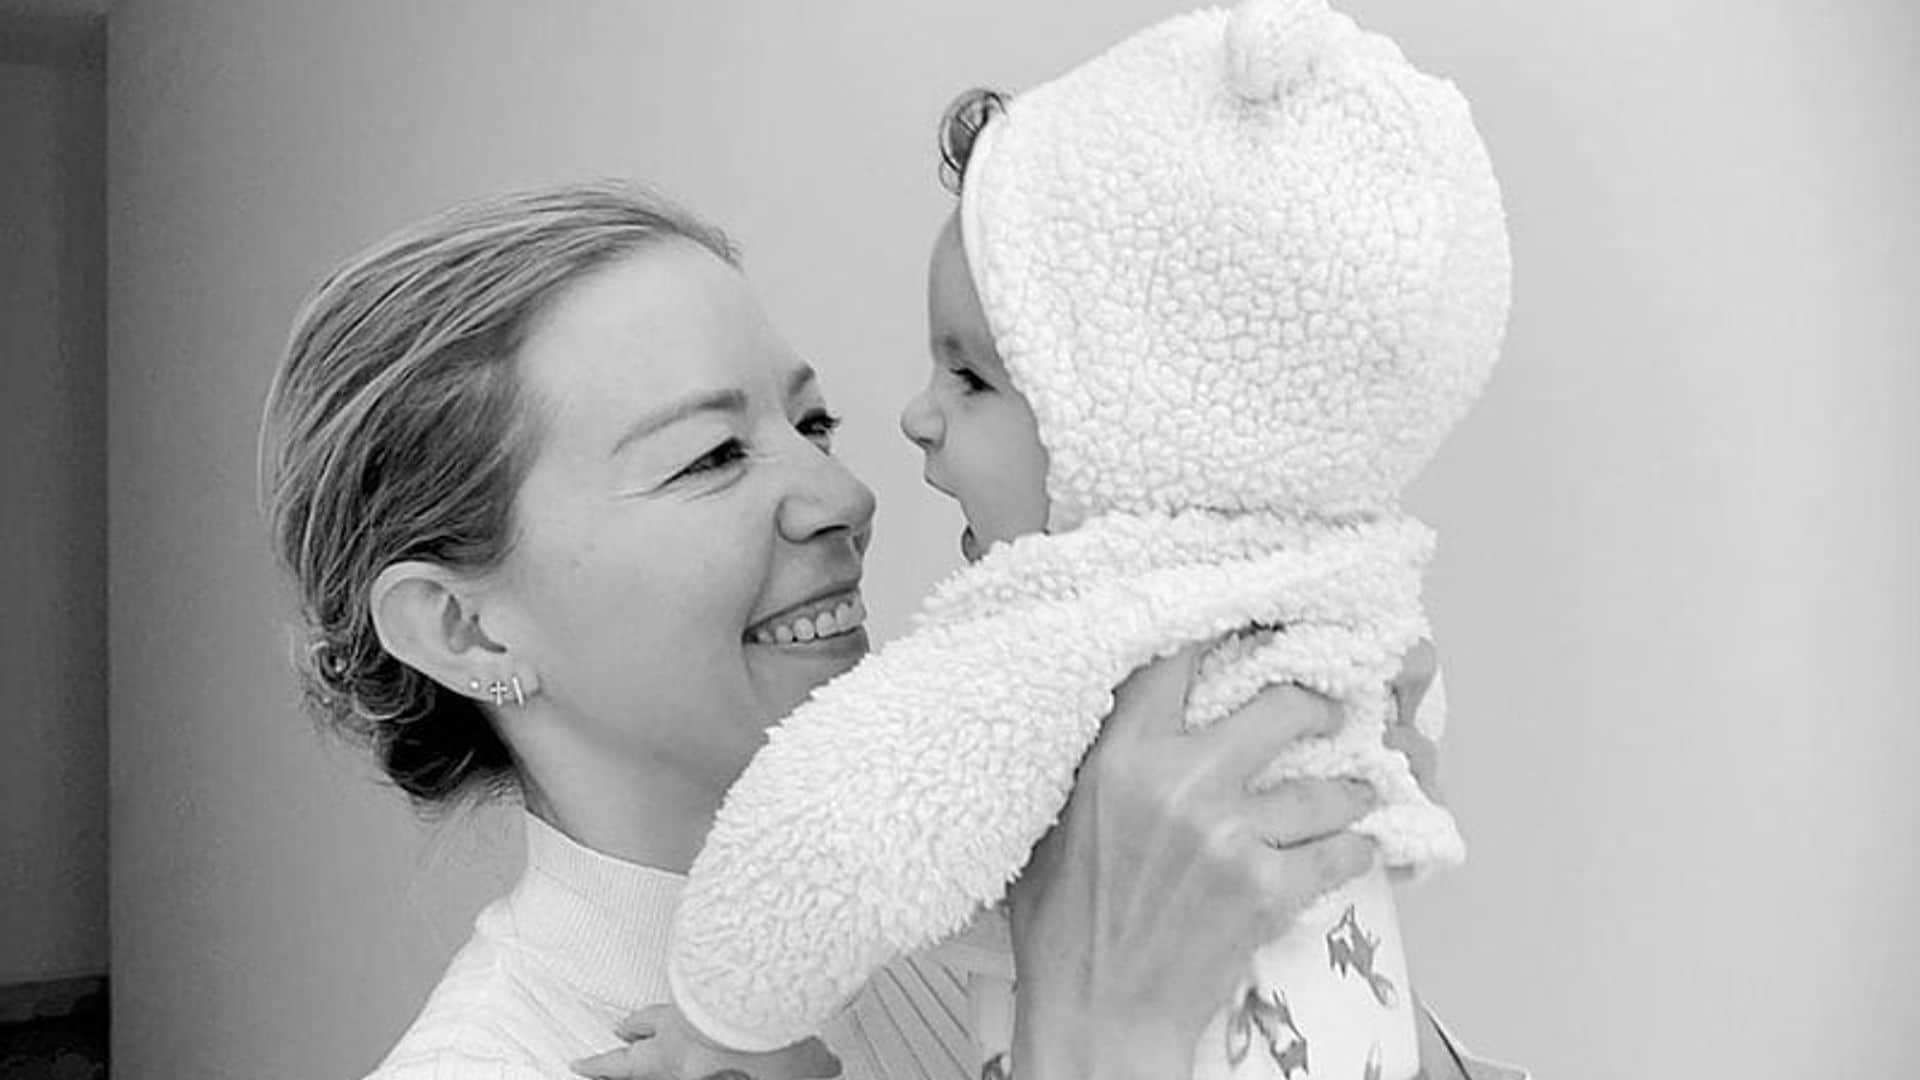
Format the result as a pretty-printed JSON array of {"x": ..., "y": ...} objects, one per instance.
[
  {"x": 726, "y": 455},
  {"x": 820, "y": 426}
]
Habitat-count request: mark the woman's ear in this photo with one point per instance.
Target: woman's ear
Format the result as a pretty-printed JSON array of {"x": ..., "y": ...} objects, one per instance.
[{"x": 424, "y": 616}]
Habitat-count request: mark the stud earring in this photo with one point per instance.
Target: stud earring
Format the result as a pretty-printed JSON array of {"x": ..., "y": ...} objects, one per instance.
[{"x": 500, "y": 691}]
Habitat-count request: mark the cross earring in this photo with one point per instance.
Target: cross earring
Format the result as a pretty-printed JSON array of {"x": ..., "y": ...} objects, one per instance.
[{"x": 500, "y": 691}]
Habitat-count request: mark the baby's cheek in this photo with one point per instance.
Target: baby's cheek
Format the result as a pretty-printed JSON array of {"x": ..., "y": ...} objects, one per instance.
[{"x": 1031, "y": 470}]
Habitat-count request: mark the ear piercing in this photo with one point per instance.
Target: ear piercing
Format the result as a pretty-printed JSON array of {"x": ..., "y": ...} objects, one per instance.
[{"x": 502, "y": 690}]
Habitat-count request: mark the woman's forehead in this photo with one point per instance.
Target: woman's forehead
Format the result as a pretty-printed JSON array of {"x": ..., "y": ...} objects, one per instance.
[{"x": 656, "y": 324}]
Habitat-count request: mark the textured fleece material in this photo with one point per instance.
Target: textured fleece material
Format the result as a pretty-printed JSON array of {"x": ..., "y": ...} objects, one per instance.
[
  {"x": 906, "y": 794},
  {"x": 1249, "y": 268}
]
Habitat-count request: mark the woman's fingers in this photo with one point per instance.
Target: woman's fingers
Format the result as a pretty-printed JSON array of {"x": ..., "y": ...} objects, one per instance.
[
  {"x": 1302, "y": 811},
  {"x": 1423, "y": 757},
  {"x": 1291, "y": 878},
  {"x": 1253, "y": 735},
  {"x": 812, "y": 1060},
  {"x": 1155, "y": 695},
  {"x": 1417, "y": 670},
  {"x": 617, "y": 1065},
  {"x": 640, "y": 1025},
  {"x": 645, "y": 1060}
]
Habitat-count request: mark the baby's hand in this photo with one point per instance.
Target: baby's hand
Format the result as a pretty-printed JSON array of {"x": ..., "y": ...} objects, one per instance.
[{"x": 661, "y": 1045}]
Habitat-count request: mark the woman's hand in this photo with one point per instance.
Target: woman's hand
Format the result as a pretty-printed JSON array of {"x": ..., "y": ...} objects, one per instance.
[
  {"x": 661, "y": 1045},
  {"x": 1135, "y": 919}
]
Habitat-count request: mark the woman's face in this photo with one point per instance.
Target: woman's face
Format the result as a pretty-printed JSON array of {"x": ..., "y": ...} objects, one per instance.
[
  {"x": 981, "y": 444},
  {"x": 689, "y": 556}
]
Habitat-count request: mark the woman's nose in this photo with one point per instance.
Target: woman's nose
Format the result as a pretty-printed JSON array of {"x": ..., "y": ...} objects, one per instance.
[
  {"x": 827, "y": 498},
  {"x": 921, "y": 423}
]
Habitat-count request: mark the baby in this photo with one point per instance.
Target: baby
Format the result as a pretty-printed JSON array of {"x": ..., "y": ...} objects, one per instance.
[{"x": 1210, "y": 302}]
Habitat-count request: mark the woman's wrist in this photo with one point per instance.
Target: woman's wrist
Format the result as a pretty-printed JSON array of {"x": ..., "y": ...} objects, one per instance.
[
  {"x": 1069, "y": 1041},
  {"x": 1068, "y": 1025}
]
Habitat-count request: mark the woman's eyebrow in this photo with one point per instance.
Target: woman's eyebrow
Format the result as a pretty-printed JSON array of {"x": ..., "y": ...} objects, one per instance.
[
  {"x": 730, "y": 401},
  {"x": 733, "y": 401}
]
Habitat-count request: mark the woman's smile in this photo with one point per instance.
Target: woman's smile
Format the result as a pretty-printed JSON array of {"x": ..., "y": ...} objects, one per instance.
[
  {"x": 811, "y": 642},
  {"x": 838, "y": 613}
]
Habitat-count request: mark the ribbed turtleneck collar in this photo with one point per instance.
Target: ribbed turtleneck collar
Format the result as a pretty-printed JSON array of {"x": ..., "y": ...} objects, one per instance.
[{"x": 599, "y": 922}]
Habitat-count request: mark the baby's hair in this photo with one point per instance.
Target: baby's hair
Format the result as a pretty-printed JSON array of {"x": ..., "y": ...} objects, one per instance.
[{"x": 960, "y": 125}]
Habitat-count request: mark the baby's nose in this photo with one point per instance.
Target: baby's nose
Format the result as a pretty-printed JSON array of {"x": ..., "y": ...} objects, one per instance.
[{"x": 921, "y": 422}]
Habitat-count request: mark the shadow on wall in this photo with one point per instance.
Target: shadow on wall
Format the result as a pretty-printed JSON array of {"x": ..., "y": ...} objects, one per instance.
[{"x": 53, "y": 776}]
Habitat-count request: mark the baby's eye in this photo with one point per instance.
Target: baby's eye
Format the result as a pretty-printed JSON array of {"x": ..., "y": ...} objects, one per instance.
[
  {"x": 969, "y": 381},
  {"x": 724, "y": 456},
  {"x": 819, "y": 426}
]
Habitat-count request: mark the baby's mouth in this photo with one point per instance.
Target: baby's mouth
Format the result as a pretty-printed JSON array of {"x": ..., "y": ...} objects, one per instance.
[
  {"x": 969, "y": 545},
  {"x": 825, "y": 619}
]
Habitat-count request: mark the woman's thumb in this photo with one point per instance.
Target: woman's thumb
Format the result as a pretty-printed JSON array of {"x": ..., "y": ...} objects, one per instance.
[
  {"x": 1157, "y": 692},
  {"x": 612, "y": 1065},
  {"x": 812, "y": 1059}
]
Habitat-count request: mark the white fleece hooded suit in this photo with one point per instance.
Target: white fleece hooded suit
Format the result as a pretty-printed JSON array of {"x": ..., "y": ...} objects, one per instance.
[{"x": 1249, "y": 268}]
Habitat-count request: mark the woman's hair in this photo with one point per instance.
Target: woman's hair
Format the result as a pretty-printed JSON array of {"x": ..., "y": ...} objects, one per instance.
[
  {"x": 397, "y": 429},
  {"x": 960, "y": 126}
]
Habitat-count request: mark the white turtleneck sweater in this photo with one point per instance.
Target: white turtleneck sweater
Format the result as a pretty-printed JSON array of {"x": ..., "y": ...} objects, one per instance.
[{"x": 581, "y": 942}]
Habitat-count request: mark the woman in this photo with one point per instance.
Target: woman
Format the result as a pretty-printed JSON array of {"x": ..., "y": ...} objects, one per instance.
[{"x": 543, "y": 473}]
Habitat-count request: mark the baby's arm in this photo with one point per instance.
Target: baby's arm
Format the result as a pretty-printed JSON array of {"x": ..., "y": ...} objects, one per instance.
[{"x": 878, "y": 818}]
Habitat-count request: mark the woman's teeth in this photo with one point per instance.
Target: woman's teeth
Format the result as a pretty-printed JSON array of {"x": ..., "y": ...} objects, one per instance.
[{"x": 844, "y": 617}]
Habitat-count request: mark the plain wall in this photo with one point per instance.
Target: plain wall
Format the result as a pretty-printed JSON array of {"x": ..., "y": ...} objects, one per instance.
[
  {"x": 1676, "y": 593},
  {"x": 53, "y": 513}
]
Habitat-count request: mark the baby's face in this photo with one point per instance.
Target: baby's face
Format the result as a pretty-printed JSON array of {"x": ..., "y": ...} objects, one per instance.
[{"x": 978, "y": 433}]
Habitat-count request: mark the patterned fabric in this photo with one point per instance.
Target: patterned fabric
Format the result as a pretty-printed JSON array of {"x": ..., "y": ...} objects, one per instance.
[{"x": 983, "y": 955}]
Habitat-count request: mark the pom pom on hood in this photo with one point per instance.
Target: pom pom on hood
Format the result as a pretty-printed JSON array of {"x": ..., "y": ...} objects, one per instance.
[{"x": 1274, "y": 43}]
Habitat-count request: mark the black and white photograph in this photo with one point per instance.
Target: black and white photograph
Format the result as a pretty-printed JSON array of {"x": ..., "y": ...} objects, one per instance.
[{"x": 1000, "y": 540}]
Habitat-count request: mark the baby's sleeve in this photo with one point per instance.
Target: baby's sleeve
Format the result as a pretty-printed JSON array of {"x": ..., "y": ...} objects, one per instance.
[{"x": 877, "y": 820}]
